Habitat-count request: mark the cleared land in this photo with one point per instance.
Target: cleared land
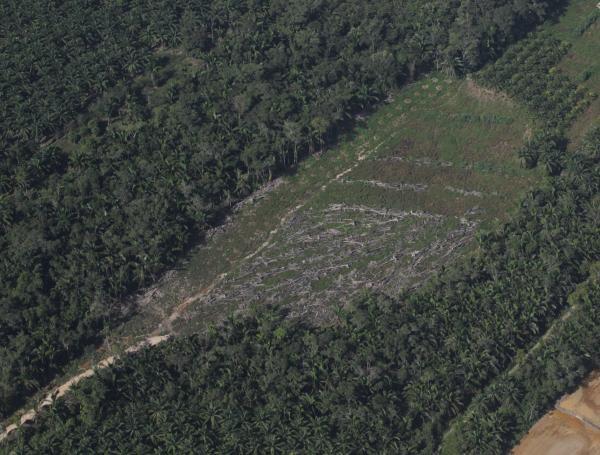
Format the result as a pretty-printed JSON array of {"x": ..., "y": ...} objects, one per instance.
[
  {"x": 559, "y": 432},
  {"x": 383, "y": 210},
  {"x": 585, "y": 402},
  {"x": 390, "y": 205},
  {"x": 573, "y": 428}
]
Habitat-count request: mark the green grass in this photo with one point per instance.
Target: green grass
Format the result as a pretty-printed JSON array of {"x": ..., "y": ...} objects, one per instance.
[
  {"x": 581, "y": 62},
  {"x": 436, "y": 133},
  {"x": 445, "y": 135},
  {"x": 583, "y": 54}
]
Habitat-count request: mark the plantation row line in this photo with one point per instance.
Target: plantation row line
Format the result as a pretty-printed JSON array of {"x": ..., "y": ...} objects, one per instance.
[
  {"x": 527, "y": 72},
  {"x": 174, "y": 110},
  {"x": 391, "y": 375}
]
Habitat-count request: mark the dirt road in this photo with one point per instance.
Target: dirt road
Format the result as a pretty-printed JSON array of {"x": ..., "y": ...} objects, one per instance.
[
  {"x": 154, "y": 338},
  {"x": 573, "y": 428}
]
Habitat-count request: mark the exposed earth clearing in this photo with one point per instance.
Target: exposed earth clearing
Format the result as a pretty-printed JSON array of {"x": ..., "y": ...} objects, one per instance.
[
  {"x": 384, "y": 210},
  {"x": 573, "y": 428}
]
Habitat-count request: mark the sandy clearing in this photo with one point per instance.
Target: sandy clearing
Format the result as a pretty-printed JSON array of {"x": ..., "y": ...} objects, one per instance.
[
  {"x": 571, "y": 429},
  {"x": 585, "y": 402},
  {"x": 559, "y": 434}
]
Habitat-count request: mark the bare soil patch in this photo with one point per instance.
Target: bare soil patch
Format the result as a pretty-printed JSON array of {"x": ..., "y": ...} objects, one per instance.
[
  {"x": 585, "y": 402},
  {"x": 559, "y": 434},
  {"x": 573, "y": 428}
]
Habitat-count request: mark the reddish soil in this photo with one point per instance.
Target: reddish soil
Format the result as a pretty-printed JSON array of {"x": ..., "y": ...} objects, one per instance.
[
  {"x": 559, "y": 434},
  {"x": 585, "y": 402},
  {"x": 573, "y": 428}
]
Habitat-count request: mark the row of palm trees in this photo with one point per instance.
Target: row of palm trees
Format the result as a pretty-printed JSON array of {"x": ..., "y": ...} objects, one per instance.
[
  {"x": 151, "y": 161},
  {"x": 511, "y": 405},
  {"x": 527, "y": 72},
  {"x": 391, "y": 375}
]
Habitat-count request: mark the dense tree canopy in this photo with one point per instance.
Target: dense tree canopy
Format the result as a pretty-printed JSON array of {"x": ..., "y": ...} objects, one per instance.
[
  {"x": 511, "y": 405},
  {"x": 390, "y": 376},
  {"x": 151, "y": 155}
]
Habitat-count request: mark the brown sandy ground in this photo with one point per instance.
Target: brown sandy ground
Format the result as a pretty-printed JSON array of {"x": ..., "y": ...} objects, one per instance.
[{"x": 573, "y": 428}]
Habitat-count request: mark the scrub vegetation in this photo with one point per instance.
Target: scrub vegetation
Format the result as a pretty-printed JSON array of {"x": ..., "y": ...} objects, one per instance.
[
  {"x": 113, "y": 163},
  {"x": 131, "y": 130},
  {"x": 387, "y": 377}
]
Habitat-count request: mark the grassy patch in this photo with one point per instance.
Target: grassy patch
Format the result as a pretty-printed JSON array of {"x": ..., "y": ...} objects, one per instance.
[
  {"x": 323, "y": 234},
  {"x": 581, "y": 62},
  {"x": 449, "y": 158}
]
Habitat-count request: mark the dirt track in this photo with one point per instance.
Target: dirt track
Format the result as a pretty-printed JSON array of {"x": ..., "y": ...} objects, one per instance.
[
  {"x": 573, "y": 428},
  {"x": 154, "y": 338},
  {"x": 67, "y": 386}
]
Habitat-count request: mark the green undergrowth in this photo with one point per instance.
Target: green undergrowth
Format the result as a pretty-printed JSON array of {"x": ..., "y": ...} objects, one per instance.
[
  {"x": 388, "y": 377},
  {"x": 467, "y": 172},
  {"x": 501, "y": 415}
]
